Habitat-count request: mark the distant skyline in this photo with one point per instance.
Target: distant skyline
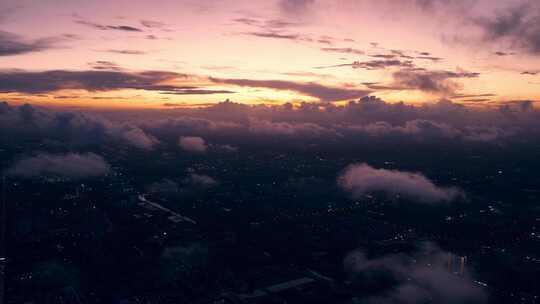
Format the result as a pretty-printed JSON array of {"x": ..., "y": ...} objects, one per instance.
[{"x": 197, "y": 53}]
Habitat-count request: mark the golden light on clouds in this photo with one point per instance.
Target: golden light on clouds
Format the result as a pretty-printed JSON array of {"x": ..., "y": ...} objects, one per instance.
[{"x": 324, "y": 51}]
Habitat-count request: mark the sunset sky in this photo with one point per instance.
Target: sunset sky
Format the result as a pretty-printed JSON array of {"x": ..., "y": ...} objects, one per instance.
[{"x": 193, "y": 53}]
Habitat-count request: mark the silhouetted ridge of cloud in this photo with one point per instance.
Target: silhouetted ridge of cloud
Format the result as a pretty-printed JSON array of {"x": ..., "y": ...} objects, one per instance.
[
  {"x": 106, "y": 78},
  {"x": 358, "y": 120},
  {"x": 322, "y": 92},
  {"x": 106, "y": 27}
]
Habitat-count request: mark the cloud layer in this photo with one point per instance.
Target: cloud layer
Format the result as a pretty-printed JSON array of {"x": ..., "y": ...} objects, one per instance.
[
  {"x": 322, "y": 92},
  {"x": 224, "y": 124},
  {"x": 101, "y": 79},
  {"x": 71, "y": 127}
]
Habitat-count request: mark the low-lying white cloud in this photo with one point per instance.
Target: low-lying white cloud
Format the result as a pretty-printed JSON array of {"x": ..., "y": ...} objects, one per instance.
[{"x": 362, "y": 179}]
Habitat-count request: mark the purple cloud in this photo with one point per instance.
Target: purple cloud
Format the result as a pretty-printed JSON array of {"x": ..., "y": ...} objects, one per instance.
[
  {"x": 12, "y": 44},
  {"x": 193, "y": 144},
  {"x": 106, "y": 27},
  {"x": 362, "y": 179}
]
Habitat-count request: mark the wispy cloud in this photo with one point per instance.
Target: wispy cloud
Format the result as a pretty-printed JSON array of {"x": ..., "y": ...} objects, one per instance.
[
  {"x": 153, "y": 24},
  {"x": 13, "y": 44},
  {"x": 106, "y": 27},
  {"x": 343, "y": 50},
  {"x": 438, "y": 82},
  {"x": 322, "y": 92},
  {"x": 372, "y": 64},
  {"x": 519, "y": 25},
  {"x": 125, "y": 52},
  {"x": 104, "y": 65}
]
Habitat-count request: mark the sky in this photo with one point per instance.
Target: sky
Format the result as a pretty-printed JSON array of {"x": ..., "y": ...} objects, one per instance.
[{"x": 188, "y": 53}]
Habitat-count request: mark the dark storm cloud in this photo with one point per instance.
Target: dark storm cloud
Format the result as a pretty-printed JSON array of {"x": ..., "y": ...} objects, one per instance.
[
  {"x": 533, "y": 73},
  {"x": 323, "y": 93},
  {"x": 106, "y": 27},
  {"x": 70, "y": 165},
  {"x": 423, "y": 276},
  {"x": 12, "y": 44},
  {"x": 362, "y": 179},
  {"x": 519, "y": 25}
]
